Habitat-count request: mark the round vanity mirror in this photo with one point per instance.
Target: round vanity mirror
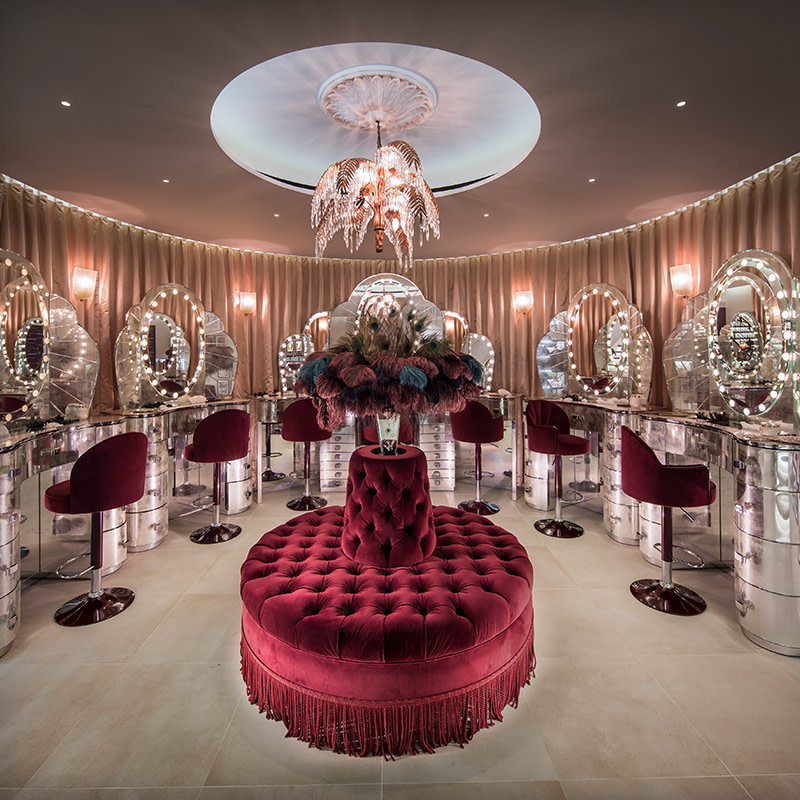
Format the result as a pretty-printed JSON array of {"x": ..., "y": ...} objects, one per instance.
[
  {"x": 293, "y": 352},
  {"x": 482, "y": 350},
  {"x": 598, "y": 338},
  {"x": 751, "y": 331},
  {"x": 172, "y": 340},
  {"x": 24, "y": 335}
]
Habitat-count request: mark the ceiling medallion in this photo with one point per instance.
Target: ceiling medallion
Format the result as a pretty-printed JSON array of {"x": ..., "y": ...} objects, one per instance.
[{"x": 359, "y": 97}]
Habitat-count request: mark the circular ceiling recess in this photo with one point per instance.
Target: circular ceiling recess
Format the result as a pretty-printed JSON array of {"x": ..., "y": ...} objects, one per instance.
[{"x": 288, "y": 119}]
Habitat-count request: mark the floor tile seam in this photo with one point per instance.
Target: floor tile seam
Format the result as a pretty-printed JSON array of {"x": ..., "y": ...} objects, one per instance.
[
  {"x": 680, "y": 711},
  {"x": 213, "y": 760}
]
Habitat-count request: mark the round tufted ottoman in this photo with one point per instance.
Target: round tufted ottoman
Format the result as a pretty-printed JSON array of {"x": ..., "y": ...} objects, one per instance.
[{"x": 381, "y": 658}]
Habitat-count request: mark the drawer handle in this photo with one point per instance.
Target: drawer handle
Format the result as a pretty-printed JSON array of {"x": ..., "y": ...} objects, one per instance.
[
  {"x": 742, "y": 557},
  {"x": 154, "y": 459},
  {"x": 154, "y": 492},
  {"x": 155, "y": 526},
  {"x": 743, "y": 604},
  {"x": 742, "y": 507}
]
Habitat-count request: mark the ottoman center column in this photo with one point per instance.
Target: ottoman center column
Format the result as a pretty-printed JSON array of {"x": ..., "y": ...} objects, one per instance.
[{"x": 388, "y": 515}]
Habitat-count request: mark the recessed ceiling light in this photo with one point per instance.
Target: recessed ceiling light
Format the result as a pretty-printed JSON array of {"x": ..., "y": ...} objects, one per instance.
[
  {"x": 66, "y": 103},
  {"x": 681, "y": 103},
  {"x": 485, "y": 215},
  {"x": 165, "y": 180},
  {"x": 276, "y": 215},
  {"x": 592, "y": 180}
]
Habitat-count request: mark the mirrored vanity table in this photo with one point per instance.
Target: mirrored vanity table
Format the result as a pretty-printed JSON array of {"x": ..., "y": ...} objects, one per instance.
[{"x": 731, "y": 372}]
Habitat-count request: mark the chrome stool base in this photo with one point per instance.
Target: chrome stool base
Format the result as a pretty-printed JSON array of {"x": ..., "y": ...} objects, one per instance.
[
  {"x": 269, "y": 475},
  {"x": 670, "y": 599},
  {"x": 86, "y": 609},
  {"x": 558, "y": 528},
  {"x": 306, "y": 503},
  {"x": 481, "y": 507},
  {"x": 214, "y": 534}
]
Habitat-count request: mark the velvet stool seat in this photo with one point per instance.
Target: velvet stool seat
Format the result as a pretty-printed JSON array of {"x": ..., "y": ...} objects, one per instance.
[
  {"x": 387, "y": 626},
  {"x": 300, "y": 425},
  {"x": 476, "y": 424},
  {"x": 646, "y": 479},
  {"x": 219, "y": 437},
  {"x": 109, "y": 475},
  {"x": 548, "y": 432}
]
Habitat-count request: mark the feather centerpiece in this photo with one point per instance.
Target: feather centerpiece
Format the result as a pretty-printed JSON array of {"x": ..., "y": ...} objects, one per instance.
[{"x": 388, "y": 364}]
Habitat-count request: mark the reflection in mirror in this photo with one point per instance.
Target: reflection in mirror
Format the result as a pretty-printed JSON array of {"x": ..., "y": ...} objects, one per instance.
[
  {"x": 378, "y": 292},
  {"x": 552, "y": 362},
  {"x": 456, "y": 328},
  {"x": 317, "y": 328},
  {"x": 482, "y": 350},
  {"x": 155, "y": 361},
  {"x": 598, "y": 339},
  {"x": 167, "y": 349},
  {"x": 222, "y": 359},
  {"x": 29, "y": 349},
  {"x": 74, "y": 361},
  {"x": 24, "y": 337},
  {"x": 293, "y": 352},
  {"x": 685, "y": 358},
  {"x": 751, "y": 337},
  {"x": 610, "y": 351}
]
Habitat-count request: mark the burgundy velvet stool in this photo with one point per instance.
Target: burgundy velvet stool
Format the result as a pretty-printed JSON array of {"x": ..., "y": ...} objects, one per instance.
[
  {"x": 646, "y": 479},
  {"x": 219, "y": 437},
  {"x": 387, "y": 626},
  {"x": 477, "y": 425},
  {"x": 548, "y": 432},
  {"x": 108, "y": 475},
  {"x": 300, "y": 425}
]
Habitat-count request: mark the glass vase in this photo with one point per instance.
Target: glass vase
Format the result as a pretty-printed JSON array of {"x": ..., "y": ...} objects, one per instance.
[{"x": 388, "y": 426}]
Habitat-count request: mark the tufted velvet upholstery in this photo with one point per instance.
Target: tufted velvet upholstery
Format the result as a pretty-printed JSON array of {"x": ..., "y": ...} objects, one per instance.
[
  {"x": 548, "y": 430},
  {"x": 314, "y": 606},
  {"x": 108, "y": 475},
  {"x": 388, "y": 515},
  {"x": 300, "y": 423},
  {"x": 646, "y": 479},
  {"x": 222, "y": 436},
  {"x": 476, "y": 424}
]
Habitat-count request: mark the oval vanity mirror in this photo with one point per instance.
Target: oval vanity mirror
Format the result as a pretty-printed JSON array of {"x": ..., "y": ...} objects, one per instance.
[
  {"x": 598, "y": 339},
  {"x": 482, "y": 350},
  {"x": 172, "y": 340},
  {"x": 751, "y": 331},
  {"x": 24, "y": 335},
  {"x": 293, "y": 352}
]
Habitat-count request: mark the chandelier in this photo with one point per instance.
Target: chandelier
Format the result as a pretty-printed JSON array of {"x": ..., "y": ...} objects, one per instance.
[{"x": 389, "y": 191}]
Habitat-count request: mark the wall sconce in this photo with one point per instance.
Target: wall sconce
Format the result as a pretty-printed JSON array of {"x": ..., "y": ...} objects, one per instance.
[
  {"x": 523, "y": 301},
  {"x": 682, "y": 280},
  {"x": 83, "y": 283},
  {"x": 247, "y": 303}
]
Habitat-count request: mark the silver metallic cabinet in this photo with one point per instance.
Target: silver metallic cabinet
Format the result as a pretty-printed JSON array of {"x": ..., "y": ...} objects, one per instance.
[{"x": 767, "y": 558}]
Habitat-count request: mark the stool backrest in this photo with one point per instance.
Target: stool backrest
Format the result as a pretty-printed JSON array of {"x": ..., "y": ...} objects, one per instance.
[
  {"x": 646, "y": 479},
  {"x": 545, "y": 412},
  {"x": 300, "y": 423},
  {"x": 222, "y": 436},
  {"x": 476, "y": 423},
  {"x": 109, "y": 475}
]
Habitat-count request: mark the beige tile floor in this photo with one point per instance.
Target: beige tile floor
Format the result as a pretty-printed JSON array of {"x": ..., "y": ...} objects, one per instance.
[{"x": 627, "y": 703}]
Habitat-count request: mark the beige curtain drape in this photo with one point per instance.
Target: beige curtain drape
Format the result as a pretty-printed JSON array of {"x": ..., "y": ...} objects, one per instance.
[{"x": 760, "y": 212}]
